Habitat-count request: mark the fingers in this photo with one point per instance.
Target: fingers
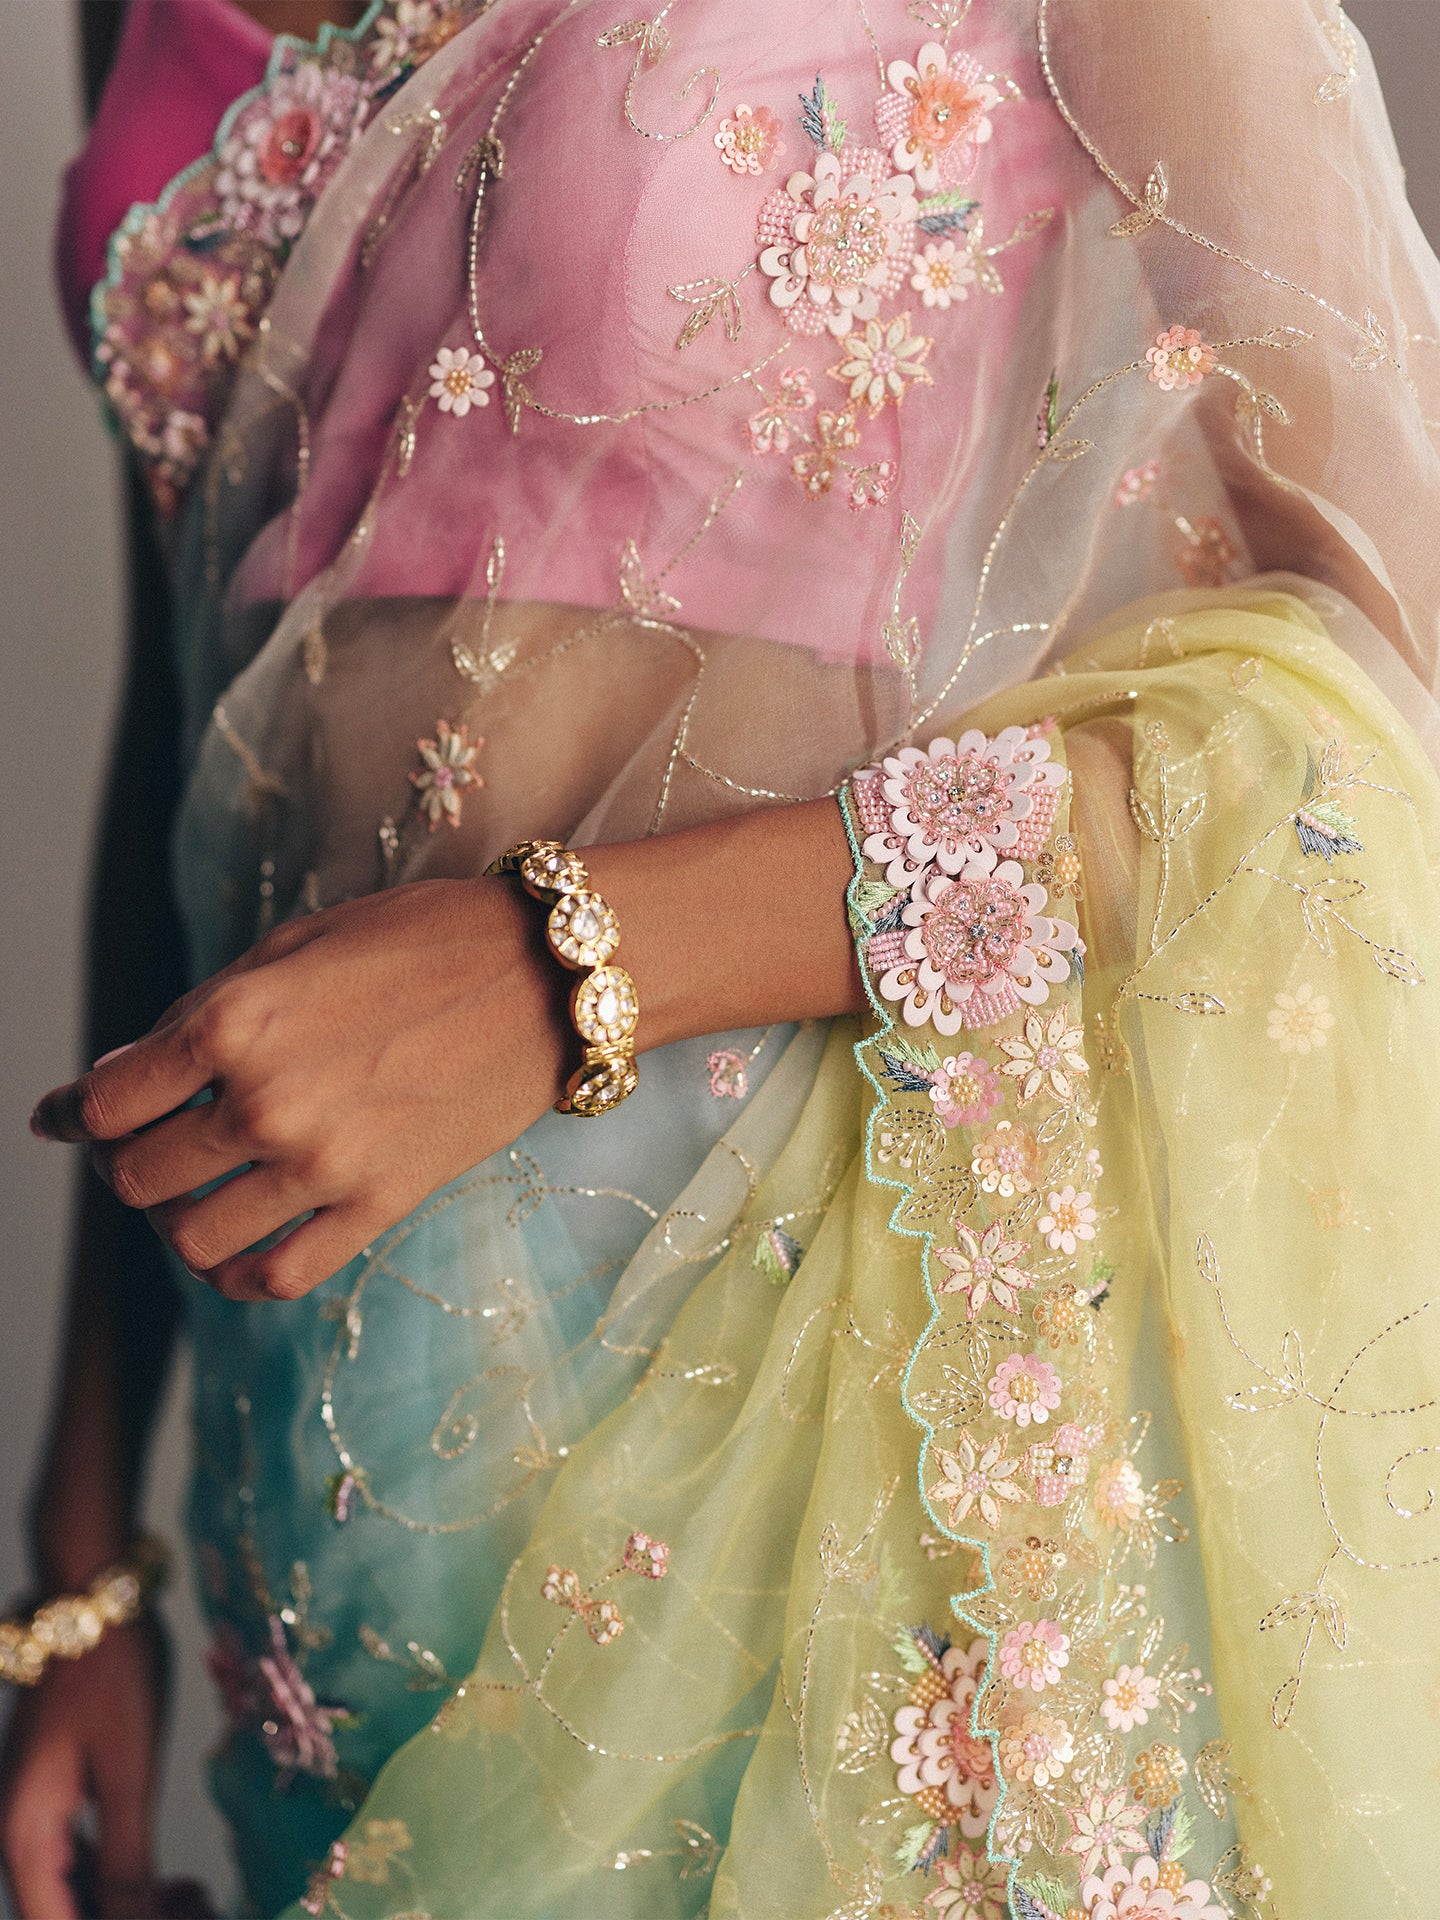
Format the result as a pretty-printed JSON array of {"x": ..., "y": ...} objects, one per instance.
[
  {"x": 308, "y": 1256},
  {"x": 206, "y": 1232},
  {"x": 42, "y": 1803},
  {"x": 135, "y": 1087},
  {"x": 181, "y": 1154}
]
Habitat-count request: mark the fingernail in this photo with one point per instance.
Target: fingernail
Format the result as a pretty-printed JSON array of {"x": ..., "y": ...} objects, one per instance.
[
  {"x": 114, "y": 1054},
  {"x": 36, "y": 1127}
]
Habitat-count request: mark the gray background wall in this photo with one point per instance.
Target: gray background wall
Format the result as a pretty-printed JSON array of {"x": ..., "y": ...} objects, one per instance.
[{"x": 59, "y": 660}]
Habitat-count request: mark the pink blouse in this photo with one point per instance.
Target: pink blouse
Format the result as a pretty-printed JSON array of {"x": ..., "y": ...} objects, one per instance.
[{"x": 179, "y": 65}]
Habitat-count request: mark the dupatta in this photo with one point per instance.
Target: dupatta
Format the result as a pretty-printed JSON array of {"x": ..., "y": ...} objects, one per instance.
[{"x": 1010, "y": 1492}]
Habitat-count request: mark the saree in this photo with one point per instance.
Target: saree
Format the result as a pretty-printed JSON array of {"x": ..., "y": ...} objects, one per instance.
[{"x": 970, "y": 1460}]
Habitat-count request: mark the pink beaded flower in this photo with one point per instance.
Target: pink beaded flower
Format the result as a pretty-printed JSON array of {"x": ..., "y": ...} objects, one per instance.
[
  {"x": 1032, "y": 1654},
  {"x": 1179, "y": 359},
  {"x": 978, "y": 936},
  {"x": 749, "y": 140},
  {"x": 934, "y": 114},
  {"x": 646, "y": 1556},
  {"x": 958, "y": 798},
  {"x": 283, "y": 148},
  {"x": 1024, "y": 1389},
  {"x": 941, "y": 1762},
  {"x": 834, "y": 243},
  {"x": 965, "y": 1090}
]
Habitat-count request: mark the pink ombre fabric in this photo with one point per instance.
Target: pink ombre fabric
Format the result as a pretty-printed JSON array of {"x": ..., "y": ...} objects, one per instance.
[{"x": 179, "y": 65}]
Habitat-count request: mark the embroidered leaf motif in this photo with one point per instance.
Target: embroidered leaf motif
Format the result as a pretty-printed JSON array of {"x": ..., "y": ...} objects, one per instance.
[
  {"x": 512, "y": 379},
  {"x": 821, "y": 119},
  {"x": 906, "y": 1077},
  {"x": 1157, "y": 199},
  {"x": 1335, "y": 86},
  {"x": 778, "y": 1255},
  {"x": 1319, "y": 907},
  {"x": 649, "y": 36},
  {"x": 1029, "y": 1906},
  {"x": 1374, "y": 348},
  {"x": 1322, "y": 1608},
  {"x": 710, "y": 298},
  {"x": 944, "y": 213},
  {"x": 863, "y": 1738},
  {"x": 644, "y": 597},
  {"x": 1197, "y": 1003},
  {"x": 1067, "y": 450}
]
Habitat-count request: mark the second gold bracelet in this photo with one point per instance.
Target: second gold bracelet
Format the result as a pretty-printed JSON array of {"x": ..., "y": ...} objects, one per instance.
[{"x": 582, "y": 930}]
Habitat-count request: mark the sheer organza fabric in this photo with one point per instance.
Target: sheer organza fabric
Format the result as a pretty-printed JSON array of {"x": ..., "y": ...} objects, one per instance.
[{"x": 679, "y": 557}]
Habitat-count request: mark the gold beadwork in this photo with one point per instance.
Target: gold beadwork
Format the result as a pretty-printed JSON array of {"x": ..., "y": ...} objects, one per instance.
[
  {"x": 582, "y": 930},
  {"x": 73, "y": 1624}
]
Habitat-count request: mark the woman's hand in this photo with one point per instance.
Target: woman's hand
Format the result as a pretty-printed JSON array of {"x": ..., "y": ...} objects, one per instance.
[
  {"x": 88, "y": 1734},
  {"x": 356, "y": 1059}
]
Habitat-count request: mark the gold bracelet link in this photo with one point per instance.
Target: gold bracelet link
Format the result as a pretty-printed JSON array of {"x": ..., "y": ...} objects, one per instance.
[
  {"x": 73, "y": 1624},
  {"x": 582, "y": 930}
]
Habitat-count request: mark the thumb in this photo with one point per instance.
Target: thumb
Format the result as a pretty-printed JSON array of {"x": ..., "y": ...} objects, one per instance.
[{"x": 38, "y": 1840}]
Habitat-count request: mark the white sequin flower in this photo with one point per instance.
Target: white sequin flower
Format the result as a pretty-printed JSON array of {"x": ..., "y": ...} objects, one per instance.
[
  {"x": 942, "y": 274},
  {"x": 459, "y": 381},
  {"x": 1299, "y": 1021},
  {"x": 958, "y": 798}
]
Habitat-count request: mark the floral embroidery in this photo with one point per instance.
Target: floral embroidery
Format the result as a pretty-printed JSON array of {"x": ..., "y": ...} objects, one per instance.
[
  {"x": 835, "y": 435},
  {"x": 460, "y": 380},
  {"x": 1071, "y": 1219},
  {"x": 216, "y": 311},
  {"x": 272, "y": 1694},
  {"x": 728, "y": 1073},
  {"x": 965, "y": 1090},
  {"x": 1179, "y": 359},
  {"x": 1300, "y": 1021},
  {"x": 1033, "y": 1654},
  {"x": 1137, "y": 484},
  {"x": 934, "y": 114},
  {"x": 1031, "y": 1566},
  {"x": 448, "y": 770},
  {"x": 406, "y": 38},
  {"x": 1155, "y": 1778},
  {"x": 834, "y": 242},
  {"x": 1131, "y": 1696},
  {"x": 950, "y": 1772},
  {"x": 1059, "y": 1315},
  {"x": 283, "y": 148},
  {"x": 1119, "y": 1495},
  {"x": 1324, "y": 827},
  {"x": 1006, "y": 1160},
  {"x": 883, "y": 363},
  {"x": 1024, "y": 1388},
  {"x": 959, "y": 799},
  {"x": 1036, "y": 1748},
  {"x": 1046, "y": 1056},
  {"x": 975, "y": 1477},
  {"x": 1103, "y": 1828},
  {"x": 778, "y": 1255},
  {"x": 1058, "y": 1467},
  {"x": 971, "y": 1886},
  {"x": 870, "y": 486},
  {"x": 750, "y": 140},
  {"x": 770, "y": 429},
  {"x": 985, "y": 1267},
  {"x": 942, "y": 274},
  {"x": 1139, "y": 1890},
  {"x": 646, "y": 1556},
  {"x": 603, "y": 1619},
  {"x": 1205, "y": 557}
]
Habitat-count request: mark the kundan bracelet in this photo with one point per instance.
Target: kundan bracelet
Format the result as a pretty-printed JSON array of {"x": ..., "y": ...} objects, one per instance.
[
  {"x": 74, "y": 1623},
  {"x": 583, "y": 932}
]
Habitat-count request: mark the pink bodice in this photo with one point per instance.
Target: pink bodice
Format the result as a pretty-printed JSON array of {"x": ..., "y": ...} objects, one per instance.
[{"x": 180, "y": 64}]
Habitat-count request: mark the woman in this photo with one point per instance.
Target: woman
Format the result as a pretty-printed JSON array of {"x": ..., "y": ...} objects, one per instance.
[{"x": 621, "y": 435}]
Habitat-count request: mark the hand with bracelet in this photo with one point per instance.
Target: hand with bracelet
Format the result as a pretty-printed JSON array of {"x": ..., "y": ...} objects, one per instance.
[{"x": 361, "y": 1057}]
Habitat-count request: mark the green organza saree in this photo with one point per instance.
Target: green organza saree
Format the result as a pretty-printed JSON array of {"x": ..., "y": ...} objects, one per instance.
[{"x": 969, "y": 1461}]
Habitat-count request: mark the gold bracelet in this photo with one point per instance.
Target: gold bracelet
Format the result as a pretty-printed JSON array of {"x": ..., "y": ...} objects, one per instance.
[
  {"x": 583, "y": 932},
  {"x": 74, "y": 1623}
]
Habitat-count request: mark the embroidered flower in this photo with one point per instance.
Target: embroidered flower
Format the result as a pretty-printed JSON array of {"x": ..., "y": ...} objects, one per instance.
[
  {"x": 1131, "y": 1696},
  {"x": 283, "y": 148},
  {"x": 448, "y": 770},
  {"x": 1101, "y": 1829},
  {"x": 1058, "y": 1466},
  {"x": 959, "y": 799},
  {"x": 1179, "y": 359},
  {"x": 870, "y": 486},
  {"x": 1059, "y": 1315},
  {"x": 750, "y": 140},
  {"x": 1204, "y": 559},
  {"x": 979, "y": 932},
  {"x": 942, "y": 273},
  {"x": 368, "y": 1860},
  {"x": 1325, "y": 828},
  {"x": 1119, "y": 1495},
  {"x": 970, "y": 1886},
  {"x": 460, "y": 380},
  {"x": 1046, "y": 1056},
  {"x": 1024, "y": 1388},
  {"x": 1142, "y": 1891},
  {"x": 1036, "y": 1748},
  {"x": 646, "y": 1556},
  {"x": 729, "y": 1075},
  {"x": 1031, "y": 1566},
  {"x": 295, "y": 1729},
  {"x": 408, "y": 35},
  {"x": 1156, "y": 1775},
  {"x": 934, "y": 114},
  {"x": 216, "y": 310},
  {"x": 883, "y": 363},
  {"x": 1071, "y": 1219},
  {"x": 965, "y": 1090},
  {"x": 1007, "y": 1160},
  {"x": 985, "y": 1267},
  {"x": 1032, "y": 1654},
  {"x": 974, "y": 1477},
  {"x": 1299, "y": 1021},
  {"x": 1137, "y": 484},
  {"x": 835, "y": 243},
  {"x": 770, "y": 429},
  {"x": 835, "y": 434},
  {"x": 948, "y": 1770}
]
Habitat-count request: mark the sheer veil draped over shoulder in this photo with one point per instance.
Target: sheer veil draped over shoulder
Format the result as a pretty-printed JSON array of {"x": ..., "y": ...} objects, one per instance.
[{"x": 975, "y": 1461}]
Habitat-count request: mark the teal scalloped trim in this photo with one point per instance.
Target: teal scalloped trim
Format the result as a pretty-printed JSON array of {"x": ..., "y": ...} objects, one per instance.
[
  {"x": 143, "y": 209},
  {"x": 927, "y": 1239}
]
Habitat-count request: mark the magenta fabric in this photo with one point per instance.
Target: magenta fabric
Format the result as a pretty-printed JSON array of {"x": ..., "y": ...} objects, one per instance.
[{"x": 179, "y": 65}]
